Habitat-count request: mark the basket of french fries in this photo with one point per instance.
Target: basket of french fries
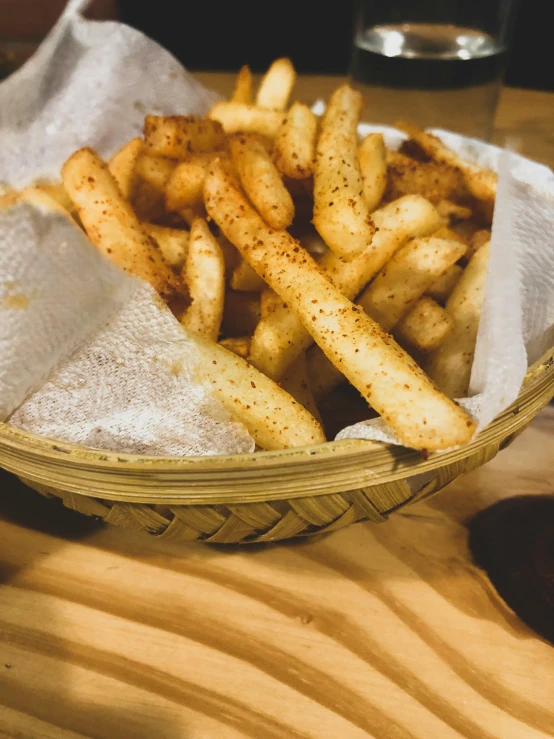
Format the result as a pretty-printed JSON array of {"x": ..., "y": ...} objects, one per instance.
[{"x": 330, "y": 288}]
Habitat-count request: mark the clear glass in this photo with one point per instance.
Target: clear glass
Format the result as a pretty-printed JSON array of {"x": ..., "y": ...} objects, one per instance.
[{"x": 436, "y": 63}]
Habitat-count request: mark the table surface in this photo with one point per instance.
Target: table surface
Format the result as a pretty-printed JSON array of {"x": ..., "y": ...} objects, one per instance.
[{"x": 385, "y": 631}]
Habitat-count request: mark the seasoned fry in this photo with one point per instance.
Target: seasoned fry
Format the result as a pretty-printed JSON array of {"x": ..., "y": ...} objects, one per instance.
[
  {"x": 269, "y": 301},
  {"x": 324, "y": 376},
  {"x": 183, "y": 189},
  {"x": 58, "y": 193},
  {"x": 155, "y": 170},
  {"x": 205, "y": 276},
  {"x": 391, "y": 382},
  {"x": 273, "y": 418},
  {"x": 261, "y": 181},
  {"x": 404, "y": 279},
  {"x": 243, "y": 87},
  {"x": 434, "y": 181},
  {"x": 173, "y": 242},
  {"x": 111, "y": 224},
  {"x": 280, "y": 338},
  {"x": 241, "y": 313},
  {"x": 295, "y": 143},
  {"x": 239, "y": 345},
  {"x": 177, "y": 136},
  {"x": 41, "y": 198},
  {"x": 296, "y": 382},
  {"x": 442, "y": 287},
  {"x": 424, "y": 327},
  {"x": 452, "y": 212},
  {"x": 246, "y": 280},
  {"x": 450, "y": 365},
  {"x": 373, "y": 165},
  {"x": 479, "y": 181},
  {"x": 276, "y": 85},
  {"x": 235, "y": 117},
  {"x": 122, "y": 167},
  {"x": 340, "y": 213}
]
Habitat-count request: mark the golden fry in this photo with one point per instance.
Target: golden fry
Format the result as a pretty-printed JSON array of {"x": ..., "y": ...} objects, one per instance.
[
  {"x": 155, "y": 170},
  {"x": 450, "y": 365},
  {"x": 442, "y": 287},
  {"x": 112, "y": 225},
  {"x": 434, "y": 181},
  {"x": 204, "y": 273},
  {"x": 246, "y": 280},
  {"x": 183, "y": 189},
  {"x": 391, "y": 382},
  {"x": 243, "y": 87},
  {"x": 122, "y": 166},
  {"x": 295, "y": 143},
  {"x": 373, "y": 165},
  {"x": 424, "y": 327},
  {"x": 261, "y": 181},
  {"x": 404, "y": 279},
  {"x": 178, "y": 136},
  {"x": 269, "y": 301},
  {"x": 173, "y": 242},
  {"x": 340, "y": 213},
  {"x": 276, "y": 85},
  {"x": 243, "y": 118}
]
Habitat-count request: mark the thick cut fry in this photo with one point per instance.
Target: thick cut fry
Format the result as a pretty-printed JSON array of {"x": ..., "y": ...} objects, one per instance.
[
  {"x": 276, "y": 85},
  {"x": 274, "y": 419},
  {"x": 122, "y": 166},
  {"x": 261, "y": 181},
  {"x": 241, "y": 313},
  {"x": 324, "y": 376},
  {"x": 112, "y": 225},
  {"x": 173, "y": 242},
  {"x": 452, "y": 212},
  {"x": 295, "y": 143},
  {"x": 479, "y": 181},
  {"x": 155, "y": 170},
  {"x": 184, "y": 187},
  {"x": 243, "y": 87},
  {"x": 239, "y": 345},
  {"x": 246, "y": 280},
  {"x": 297, "y": 383},
  {"x": 269, "y": 301},
  {"x": 442, "y": 287},
  {"x": 280, "y": 338},
  {"x": 177, "y": 136},
  {"x": 340, "y": 212},
  {"x": 240, "y": 117},
  {"x": 373, "y": 165},
  {"x": 390, "y": 381},
  {"x": 450, "y": 365},
  {"x": 433, "y": 180},
  {"x": 204, "y": 273},
  {"x": 404, "y": 279},
  {"x": 425, "y": 327}
]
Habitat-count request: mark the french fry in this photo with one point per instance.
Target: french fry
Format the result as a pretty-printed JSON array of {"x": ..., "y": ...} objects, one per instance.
[
  {"x": 434, "y": 181},
  {"x": 404, "y": 279},
  {"x": 57, "y": 192},
  {"x": 450, "y": 235},
  {"x": 479, "y": 239},
  {"x": 450, "y": 365},
  {"x": 8, "y": 197},
  {"x": 324, "y": 376},
  {"x": 240, "y": 117},
  {"x": 442, "y": 287},
  {"x": 280, "y": 338},
  {"x": 241, "y": 313},
  {"x": 295, "y": 143},
  {"x": 155, "y": 170},
  {"x": 424, "y": 327},
  {"x": 373, "y": 165},
  {"x": 480, "y": 182},
  {"x": 246, "y": 280},
  {"x": 204, "y": 273},
  {"x": 261, "y": 181},
  {"x": 390, "y": 381},
  {"x": 122, "y": 167},
  {"x": 239, "y": 345},
  {"x": 453, "y": 212},
  {"x": 269, "y": 301},
  {"x": 243, "y": 86},
  {"x": 177, "y": 136},
  {"x": 340, "y": 213},
  {"x": 273, "y": 418},
  {"x": 173, "y": 243},
  {"x": 112, "y": 225},
  {"x": 276, "y": 85},
  {"x": 183, "y": 189},
  {"x": 42, "y": 199},
  {"x": 296, "y": 382}
]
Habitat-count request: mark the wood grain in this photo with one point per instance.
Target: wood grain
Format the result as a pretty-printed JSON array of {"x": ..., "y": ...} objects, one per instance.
[{"x": 372, "y": 631}]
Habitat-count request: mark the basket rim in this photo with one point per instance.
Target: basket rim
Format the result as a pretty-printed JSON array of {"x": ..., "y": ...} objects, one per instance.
[{"x": 378, "y": 462}]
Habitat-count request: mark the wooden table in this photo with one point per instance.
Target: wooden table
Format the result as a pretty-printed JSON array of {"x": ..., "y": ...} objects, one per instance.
[{"x": 373, "y": 631}]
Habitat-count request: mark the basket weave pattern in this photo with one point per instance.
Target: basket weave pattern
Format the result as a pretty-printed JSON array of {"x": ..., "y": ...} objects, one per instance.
[{"x": 264, "y": 497}]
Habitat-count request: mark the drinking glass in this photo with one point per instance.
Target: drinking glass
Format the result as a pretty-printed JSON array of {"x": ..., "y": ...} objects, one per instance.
[{"x": 436, "y": 63}]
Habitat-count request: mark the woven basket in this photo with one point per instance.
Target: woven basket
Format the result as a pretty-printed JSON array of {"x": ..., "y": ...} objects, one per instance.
[{"x": 259, "y": 497}]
